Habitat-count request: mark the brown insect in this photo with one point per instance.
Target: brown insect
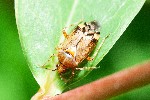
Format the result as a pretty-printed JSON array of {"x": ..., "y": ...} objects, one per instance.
[{"x": 77, "y": 46}]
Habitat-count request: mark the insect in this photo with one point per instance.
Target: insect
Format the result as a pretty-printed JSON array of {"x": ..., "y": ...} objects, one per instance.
[{"x": 77, "y": 46}]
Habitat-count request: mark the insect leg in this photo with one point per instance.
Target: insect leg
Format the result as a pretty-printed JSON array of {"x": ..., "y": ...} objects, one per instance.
[
  {"x": 58, "y": 48},
  {"x": 89, "y": 58},
  {"x": 43, "y": 66},
  {"x": 72, "y": 74},
  {"x": 87, "y": 68},
  {"x": 61, "y": 76},
  {"x": 64, "y": 31},
  {"x": 96, "y": 52}
]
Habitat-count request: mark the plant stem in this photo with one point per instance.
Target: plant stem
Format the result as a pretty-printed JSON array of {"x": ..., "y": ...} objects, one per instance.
[{"x": 110, "y": 86}]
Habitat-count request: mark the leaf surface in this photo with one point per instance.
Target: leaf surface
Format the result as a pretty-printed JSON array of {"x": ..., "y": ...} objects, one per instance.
[{"x": 40, "y": 24}]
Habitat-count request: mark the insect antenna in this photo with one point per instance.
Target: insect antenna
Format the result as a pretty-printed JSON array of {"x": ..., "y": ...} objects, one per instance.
[
  {"x": 48, "y": 60},
  {"x": 43, "y": 67}
]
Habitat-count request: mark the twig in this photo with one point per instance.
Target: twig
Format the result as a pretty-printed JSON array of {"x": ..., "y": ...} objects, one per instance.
[{"x": 110, "y": 86}]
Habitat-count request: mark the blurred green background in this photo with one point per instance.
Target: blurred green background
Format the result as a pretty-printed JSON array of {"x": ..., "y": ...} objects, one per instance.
[{"x": 17, "y": 82}]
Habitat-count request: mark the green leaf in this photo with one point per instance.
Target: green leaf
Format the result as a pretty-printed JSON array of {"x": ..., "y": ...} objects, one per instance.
[{"x": 40, "y": 24}]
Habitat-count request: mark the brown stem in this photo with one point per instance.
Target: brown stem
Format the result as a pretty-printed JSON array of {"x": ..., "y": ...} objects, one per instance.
[{"x": 110, "y": 86}]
